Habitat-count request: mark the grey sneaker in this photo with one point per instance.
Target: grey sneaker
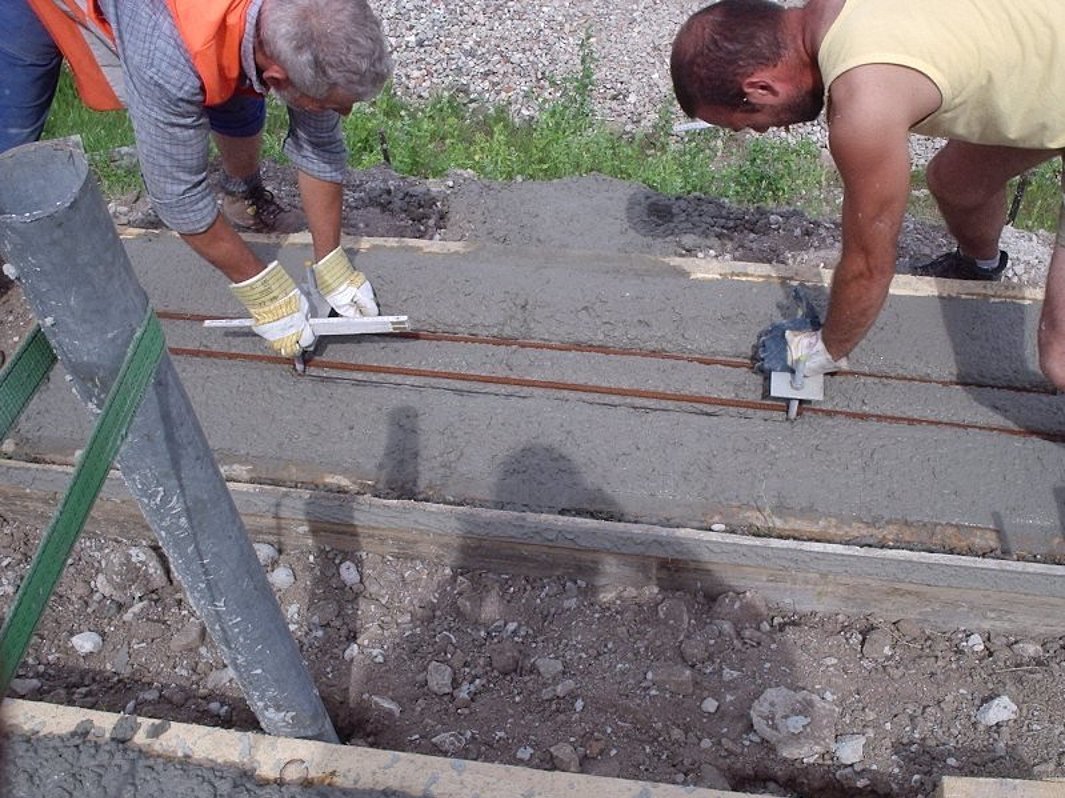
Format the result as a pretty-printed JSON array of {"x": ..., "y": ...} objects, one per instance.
[
  {"x": 955, "y": 266},
  {"x": 258, "y": 211}
]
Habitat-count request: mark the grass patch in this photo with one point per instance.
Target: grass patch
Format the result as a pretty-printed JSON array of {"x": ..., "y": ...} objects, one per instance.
[
  {"x": 565, "y": 140},
  {"x": 101, "y": 133},
  {"x": 428, "y": 138},
  {"x": 773, "y": 171},
  {"x": 1039, "y": 206}
]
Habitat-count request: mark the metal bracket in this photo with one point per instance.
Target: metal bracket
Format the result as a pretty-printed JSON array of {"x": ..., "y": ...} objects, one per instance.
[{"x": 782, "y": 386}]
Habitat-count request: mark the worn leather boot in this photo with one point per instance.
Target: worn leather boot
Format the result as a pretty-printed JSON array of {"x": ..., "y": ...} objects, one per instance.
[{"x": 258, "y": 211}]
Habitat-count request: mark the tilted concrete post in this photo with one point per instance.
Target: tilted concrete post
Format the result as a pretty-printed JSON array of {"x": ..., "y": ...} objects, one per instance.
[{"x": 56, "y": 234}]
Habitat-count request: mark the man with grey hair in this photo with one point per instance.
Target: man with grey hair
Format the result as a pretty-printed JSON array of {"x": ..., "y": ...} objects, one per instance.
[{"x": 190, "y": 71}]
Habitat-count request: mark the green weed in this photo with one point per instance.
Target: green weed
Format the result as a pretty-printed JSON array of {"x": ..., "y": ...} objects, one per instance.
[
  {"x": 430, "y": 137},
  {"x": 772, "y": 171},
  {"x": 1040, "y": 200},
  {"x": 101, "y": 134}
]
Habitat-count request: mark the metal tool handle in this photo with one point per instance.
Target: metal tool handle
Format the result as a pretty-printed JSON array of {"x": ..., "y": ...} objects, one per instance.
[
  {"x": 336, "y": 325},
  {"x": 798, "y": 375}
]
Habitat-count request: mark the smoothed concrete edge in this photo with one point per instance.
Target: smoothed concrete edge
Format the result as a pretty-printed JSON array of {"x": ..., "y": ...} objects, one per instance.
[
  {"x": 291, "y": 761},
  {"x": 943, "y": 590},
  {"x": 696, "y": 268}
]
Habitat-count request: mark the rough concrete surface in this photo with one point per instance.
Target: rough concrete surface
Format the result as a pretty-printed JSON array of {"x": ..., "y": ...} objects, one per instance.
[
  {"x": 79, "y": 765},
  {"x": 142, "y": 758},
  {"x": 629, "y": 458},
  {"x": 685, "y": 687}
]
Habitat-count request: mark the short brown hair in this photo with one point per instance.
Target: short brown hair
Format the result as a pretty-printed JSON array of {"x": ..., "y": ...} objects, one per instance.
[{"x": 720, "y": 46}]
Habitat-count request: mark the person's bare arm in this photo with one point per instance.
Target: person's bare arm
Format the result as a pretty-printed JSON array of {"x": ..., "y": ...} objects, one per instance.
[
  {"x": 346, "y": 289},
  {"x": 322, "y": 202},
  {"x": 869, "y": 125},
  {"x": 222, "y": 247}
]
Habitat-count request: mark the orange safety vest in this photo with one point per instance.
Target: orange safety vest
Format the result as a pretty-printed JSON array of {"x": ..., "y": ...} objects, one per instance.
[
  {"x": 80, "y": 31},
  {"x": 212, "y": 33}
]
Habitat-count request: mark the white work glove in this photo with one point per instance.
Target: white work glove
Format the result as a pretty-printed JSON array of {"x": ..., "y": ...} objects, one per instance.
[
  {"x": 808, "y": 348},
  {"x": 347, "y": 290},
  {"x": 280, "y": 310}
]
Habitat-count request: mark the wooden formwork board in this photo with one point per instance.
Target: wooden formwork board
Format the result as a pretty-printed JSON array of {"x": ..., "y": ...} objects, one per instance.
[
  {"x": 281, "y": 760},
  {"x": 956, "y": 787},
  {"x": 939, "y": 590}
]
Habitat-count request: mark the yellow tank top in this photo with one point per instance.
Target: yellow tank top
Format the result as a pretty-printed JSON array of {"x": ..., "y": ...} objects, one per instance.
[{"x": 999, "y": 64}]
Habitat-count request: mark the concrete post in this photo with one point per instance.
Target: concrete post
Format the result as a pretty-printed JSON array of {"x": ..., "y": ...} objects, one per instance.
[{"x": 56, "y": 233}]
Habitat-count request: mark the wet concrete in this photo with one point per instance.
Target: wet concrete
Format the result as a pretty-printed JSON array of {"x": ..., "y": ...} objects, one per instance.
[
  {"x": 60, "y": 751},
  {"x": 660, "y": 460},
  {"x": 72, "y": 765}
]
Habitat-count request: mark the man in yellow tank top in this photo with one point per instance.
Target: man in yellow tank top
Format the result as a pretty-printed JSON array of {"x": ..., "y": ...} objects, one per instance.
[{"x": 987, "y": 75}]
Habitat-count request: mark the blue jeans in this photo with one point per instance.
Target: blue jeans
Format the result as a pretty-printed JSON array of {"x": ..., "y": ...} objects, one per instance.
[
  {"x": 242, "y": 115},
  {"x": 29, "y": 63}
]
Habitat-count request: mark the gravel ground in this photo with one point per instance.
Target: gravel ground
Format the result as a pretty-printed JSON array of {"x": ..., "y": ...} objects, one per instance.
[
  {"x": 719, "y": 691},
  {"x": 512, "y": 53}
]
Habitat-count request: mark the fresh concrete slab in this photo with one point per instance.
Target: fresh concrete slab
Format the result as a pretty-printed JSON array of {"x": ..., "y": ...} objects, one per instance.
[{"x": 664, "y": 459}]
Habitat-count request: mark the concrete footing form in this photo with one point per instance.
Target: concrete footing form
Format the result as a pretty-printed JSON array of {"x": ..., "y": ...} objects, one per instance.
[
  {"x": 596, "y": 415},
  {"x": 149, "y": 757},
  {"x": 143, "y": 757}
]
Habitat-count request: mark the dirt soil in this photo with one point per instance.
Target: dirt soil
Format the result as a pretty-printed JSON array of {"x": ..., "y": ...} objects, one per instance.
[{"x": 641, "y": 683}]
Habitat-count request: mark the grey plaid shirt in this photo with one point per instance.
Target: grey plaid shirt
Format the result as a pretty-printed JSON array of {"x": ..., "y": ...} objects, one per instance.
[{"x": 165, "y": 96}]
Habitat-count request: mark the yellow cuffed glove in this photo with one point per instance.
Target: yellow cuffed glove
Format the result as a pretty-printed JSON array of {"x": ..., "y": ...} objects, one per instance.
[
  {"x": 347, "y": 290},
  {"x": 280, "y": 310}
]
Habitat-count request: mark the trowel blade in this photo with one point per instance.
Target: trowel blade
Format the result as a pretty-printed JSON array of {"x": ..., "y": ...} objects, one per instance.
[{"x": 780, "y": 387}]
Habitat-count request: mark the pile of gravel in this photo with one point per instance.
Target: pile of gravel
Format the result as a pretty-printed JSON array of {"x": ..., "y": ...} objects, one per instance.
[{"x": 513, "y": 53}]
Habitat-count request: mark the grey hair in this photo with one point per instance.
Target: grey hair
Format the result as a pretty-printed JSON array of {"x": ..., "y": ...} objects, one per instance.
[{"x": 325, "y": 45}]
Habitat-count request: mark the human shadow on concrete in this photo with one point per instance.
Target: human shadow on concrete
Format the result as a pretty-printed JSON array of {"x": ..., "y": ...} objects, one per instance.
[
  {"x": 399, "y": 467},
  {"x": 996, "y": 361},
  {"x": 542, "y": 479},
  {"x": 477, "y": 611}
]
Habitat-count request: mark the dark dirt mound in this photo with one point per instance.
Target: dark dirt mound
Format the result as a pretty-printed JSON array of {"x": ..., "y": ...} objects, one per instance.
[{"x": 592, "y": 213}]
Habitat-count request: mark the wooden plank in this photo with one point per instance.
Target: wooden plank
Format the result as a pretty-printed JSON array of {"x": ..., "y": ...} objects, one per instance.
[
  {"x": 364, "y": 771},
  {"x": 956, "y": 787},
  {"x": 697, "y": 268},
  {"x": 942, "y": 591}
]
